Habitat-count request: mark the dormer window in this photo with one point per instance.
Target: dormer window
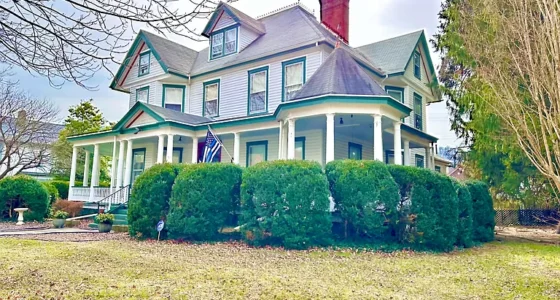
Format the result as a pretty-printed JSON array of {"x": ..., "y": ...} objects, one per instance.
[
  {"x": 144, "y": 64},
  {"x": 417, "y": 70},
  {"x": 223, "y": 42}
]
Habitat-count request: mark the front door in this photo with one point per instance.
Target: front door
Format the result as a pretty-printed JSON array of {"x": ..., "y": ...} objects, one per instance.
[{"x": 138, "y": 162}]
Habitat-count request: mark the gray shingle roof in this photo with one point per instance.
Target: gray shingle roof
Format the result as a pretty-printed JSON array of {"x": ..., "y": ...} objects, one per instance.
[
  {"x": 246, "y": 20},
  {"x": 175, "y": 56},
  {"x": 340, "y": 74},
  {"x": 177, "y": 116},
  {"x": 392, "y": 55}
]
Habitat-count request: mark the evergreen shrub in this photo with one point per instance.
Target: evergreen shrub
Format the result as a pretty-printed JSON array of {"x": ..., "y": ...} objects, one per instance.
[
  {"x": 483, "y": 212},
  {"x": 62, "y": 187},
  {"x": 23, "y": 191},
  {"x": 465, "y": 222},
  {"x": 53, "y": 192}
]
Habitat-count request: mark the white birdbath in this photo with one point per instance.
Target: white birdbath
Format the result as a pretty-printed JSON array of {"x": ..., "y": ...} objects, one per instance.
[{"x": 20, "y": 214}]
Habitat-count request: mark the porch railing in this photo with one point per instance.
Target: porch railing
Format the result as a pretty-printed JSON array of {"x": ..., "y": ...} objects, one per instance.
[
  {"x": 116, "y": 198},
  {"x": 78, "y": 193}
]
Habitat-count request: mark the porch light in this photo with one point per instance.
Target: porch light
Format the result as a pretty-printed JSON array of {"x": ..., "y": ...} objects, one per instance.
[{"x": 341, "y": 122}]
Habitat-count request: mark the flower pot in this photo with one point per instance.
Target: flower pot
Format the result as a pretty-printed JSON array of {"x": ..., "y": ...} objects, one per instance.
[
  {"x": 104, "y": 227},
  {"x": 58, "y": 223}
]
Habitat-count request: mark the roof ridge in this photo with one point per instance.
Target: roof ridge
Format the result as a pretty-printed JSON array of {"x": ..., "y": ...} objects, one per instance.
[
  {"x": 285, "y": 8},
  {"x": 392, "y": 38},
  {"x": 165, "y": 38}
]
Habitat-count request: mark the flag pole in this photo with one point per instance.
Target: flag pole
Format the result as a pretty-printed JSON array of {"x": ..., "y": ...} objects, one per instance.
[{"x": 219, "y": 141}]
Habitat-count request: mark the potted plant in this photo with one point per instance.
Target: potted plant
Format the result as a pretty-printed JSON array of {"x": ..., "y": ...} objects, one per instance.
[
  {"x": 59, "y": 218},
  {"x": 105, "y": 222}
]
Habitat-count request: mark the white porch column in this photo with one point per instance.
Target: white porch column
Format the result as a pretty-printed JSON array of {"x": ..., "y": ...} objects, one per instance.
[
  {"x": 280, "y": 139},
  {"x": 114, "y": 164},
  {"x": 330, "y": 138},
  {"x": 377, "y": 138},
  {"x": 291, "y": 138},
  {"x": 161, "y": 141},
  {"x": 120, "y": 167},
  {"x": 128, "y": 171},
  {"x": 236, "y": 147},
  {"x": 284, "y": 142},
  {"x": 94, "y": 171},
  {"x": 397, "y": 140},
  {"x": 406, "y": 150},
  {"x": 169, "y": 156},
  {"x": 73, "y": 167},
  {"x": 86, "y": 170},
  {"x": 428, "y": 160},
  {"x": 195, "y": 150}
]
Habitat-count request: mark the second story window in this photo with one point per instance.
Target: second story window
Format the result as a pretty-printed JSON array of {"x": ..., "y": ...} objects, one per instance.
[
  {"x": 293, "y": 77},
  {"x": 395, "y": 92},
  {"x": 417, "y": 69},
  {"x": 144, "y": 64},
  {"x": 143, "y": 94},
  {"x": 211, "y": 102},
  {"x": 173, "y": 97},
  {"x": 223, "y": 42},
  {"x": 258, "y": 90},
  {"x": 418, "y": 112}
]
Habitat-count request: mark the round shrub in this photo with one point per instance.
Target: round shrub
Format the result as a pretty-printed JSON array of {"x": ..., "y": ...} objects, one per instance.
[
  {"x": 465, "y": 222},
  {"x": 286, "y": 203},
  {"x": 483, "y": 212},
  {"x": 53, "y": 192},
  {"x": 62, "y": 187},
  {"x": 204, "y": 197},
  {"x": 428, "y": 208},
  {"x": 365, "y": 194},
  {"x": 149, "y": 200},
  {"x": 23, "y": 191}
]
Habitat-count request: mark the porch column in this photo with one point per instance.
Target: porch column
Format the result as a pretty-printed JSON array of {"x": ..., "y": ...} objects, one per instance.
[
  {"x": 377, "y": 138},
  {"x": 280, "y": 140},
  {"x": 121, "y": 165},
  {"x": 114, "y": 164},
  {"x": 397, "y": 140},
  {"x": 73, "y": 167},
  {"x": 291, "y": 138},
  {"x": 428, "y": 160},
  {"x": 330, "y": 138},
  {"x": 236, "y": 147},
  {"x": 161, "y": 141},
  {"x": 94, "y": 171},
  {"x": 169, "y": 156},
  {"x": 406, "y": 147},
  {"x": 195, "y": 150},
  {"x": 128, "y": 171},
  {"x": 86, "y": 170},
  {"x": 284, "y": 142}
]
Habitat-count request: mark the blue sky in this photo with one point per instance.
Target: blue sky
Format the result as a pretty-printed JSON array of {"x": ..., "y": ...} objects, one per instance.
[{"x": 370, "y": 21}]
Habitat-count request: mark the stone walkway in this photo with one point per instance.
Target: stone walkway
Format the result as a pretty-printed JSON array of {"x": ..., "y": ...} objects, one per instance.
[{"x": 46, "y": 231}]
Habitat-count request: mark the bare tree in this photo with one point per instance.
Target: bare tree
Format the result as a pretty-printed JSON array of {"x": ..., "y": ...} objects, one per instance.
[
  {"x": 71, "y": 40},
  {"x": 26, "y": 130},
  {"x": 516, "y": 46}
]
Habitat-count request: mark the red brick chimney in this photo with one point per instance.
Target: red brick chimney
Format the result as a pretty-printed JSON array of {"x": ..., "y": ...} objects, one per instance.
[{"x": 335, "y": 14}]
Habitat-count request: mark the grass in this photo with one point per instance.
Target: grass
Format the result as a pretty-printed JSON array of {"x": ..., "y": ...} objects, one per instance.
[{"x": 131, "y": 269}]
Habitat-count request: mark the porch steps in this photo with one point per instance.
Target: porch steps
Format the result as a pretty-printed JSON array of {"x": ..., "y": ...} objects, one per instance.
[{"x": 121, "y": 217}]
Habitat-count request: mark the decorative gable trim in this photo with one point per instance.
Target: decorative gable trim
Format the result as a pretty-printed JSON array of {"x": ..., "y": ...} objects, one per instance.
[
  {"x": 131, "y": 116},
  {"x": 224, "y": 8},
  {"x": 426, "y": 53}
]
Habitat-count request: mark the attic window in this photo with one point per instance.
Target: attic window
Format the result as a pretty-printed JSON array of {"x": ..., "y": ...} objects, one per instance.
[
  {"x": 223, "y": 42},
  {"x": 144, "y": 64},
  {"x": 417, "y": 72}
]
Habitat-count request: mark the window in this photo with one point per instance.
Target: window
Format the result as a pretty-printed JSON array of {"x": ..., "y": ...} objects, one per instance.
[
  {"x": 438, "y": 169},
  {"x": 300, "y": 148},
  {"x": 418, "y": 122},
  {"x": 211, "y": 98},
  {"x": 143, "y": 94},
  {"x": 417, "y": 70},
  {"x": 144, "y": 64},
  {"x": 258, "y": 91},
  {"x": 177, "y": 154},
  {"x": 138, "y": 162},
  {"x": 173, "y": 97},
  {"x": 257, "y": 152},
  {"x": 390, "y": 157},
  {"x": 354, "y": 151},
  {"x": 419, "y": 160},
  {"x": 395, "y": 92},
  {"x": 293, "y": 77},
  {"x": 223, "y": 43}
]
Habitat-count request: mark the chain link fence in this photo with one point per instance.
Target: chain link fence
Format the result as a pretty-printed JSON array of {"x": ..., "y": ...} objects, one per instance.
[{"x": 527, "y": 217}]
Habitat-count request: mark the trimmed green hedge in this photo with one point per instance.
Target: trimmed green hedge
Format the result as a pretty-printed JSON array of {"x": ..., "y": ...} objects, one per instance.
[
  {"x": 149, "y": 200},
  {"x": 53, "y": 192},
  {"x": 286, "y": 203},
  {"x": 204, "y": 197},
  {"x": 62, "y": 187},
  {"x": 365, "y": 194},
  {"x": 428, "y": 208},
  {"x": 483, "y": 212},
  {"x": 465, "y": 222},
  {"x": 23, "y": 191}
]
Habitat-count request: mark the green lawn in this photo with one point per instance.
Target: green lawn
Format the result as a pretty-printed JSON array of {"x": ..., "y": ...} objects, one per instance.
[{"x": 129, "y": 269}]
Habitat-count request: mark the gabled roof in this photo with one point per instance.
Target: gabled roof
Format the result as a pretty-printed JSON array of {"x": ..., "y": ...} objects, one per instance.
[
  {"x": 160, "y": 114},
  {"x": 236, "y": 15},
  {"x": 392, "y": 55},
  {"x": 340, "y": 74}
]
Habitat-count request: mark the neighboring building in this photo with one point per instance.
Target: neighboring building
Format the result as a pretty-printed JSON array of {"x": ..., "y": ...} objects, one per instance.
[
  {"x": 283, "y": 86},
  {"x": 459, "y": 173},
  {"x": 442, "y": 165}
]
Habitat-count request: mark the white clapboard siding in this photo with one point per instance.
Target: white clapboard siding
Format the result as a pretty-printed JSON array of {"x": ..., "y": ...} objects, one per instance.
[
  {"x": 341, "y": 146},
  {"x": 246, "y": 37},
  {"x": 224, "y": 21},
  {"x": 151, "y": 152},
  {"x": 154, "y": 96},
  {"x": 133, "y": 78},
  {"x": 143, "y": 119}
]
